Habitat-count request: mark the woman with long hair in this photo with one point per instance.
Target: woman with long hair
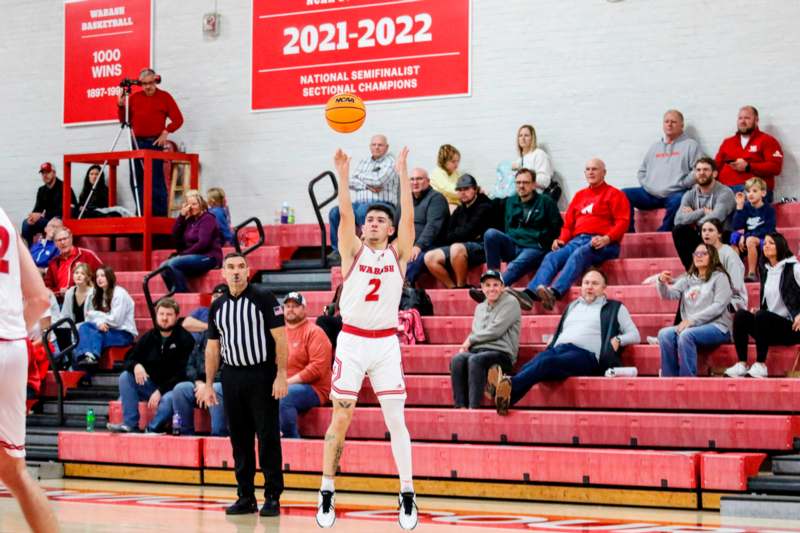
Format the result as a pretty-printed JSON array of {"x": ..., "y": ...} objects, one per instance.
[
  {"x": 711, "y": 232},
  {"x": 705, "y": 295},
  {"x": 99, "y": 198},
  {"x": 110, "y": 321},
  {"x": 529, "y": 156},
  {"x": 446, "y": 173},
  {"x": 777, "y": 322}
]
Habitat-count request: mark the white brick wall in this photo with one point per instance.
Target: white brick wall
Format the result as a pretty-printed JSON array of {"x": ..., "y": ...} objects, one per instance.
[{"x": 594, "y": 78}]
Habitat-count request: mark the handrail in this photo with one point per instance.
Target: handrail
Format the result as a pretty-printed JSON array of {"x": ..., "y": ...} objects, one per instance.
[
  {"x": 151, "y": 308},
  {"x": 318, "y": 210},
  {"x": 56, "y": 371},
  {"x": 261, "y": 237}
]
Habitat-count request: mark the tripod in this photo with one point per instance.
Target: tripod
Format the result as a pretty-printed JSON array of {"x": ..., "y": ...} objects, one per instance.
[{"x": 132, "y": 145}]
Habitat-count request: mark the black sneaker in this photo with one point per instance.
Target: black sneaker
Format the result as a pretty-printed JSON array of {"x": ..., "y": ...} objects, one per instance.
[
  {"x": 525, "y": 301},
  {"x": 243, "y": 506},
  {"x": 271, "y": 507},
  {"x": 477, "y": 295}
]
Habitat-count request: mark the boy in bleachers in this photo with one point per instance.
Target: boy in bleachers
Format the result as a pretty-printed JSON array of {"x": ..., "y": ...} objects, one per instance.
[
  {"x": 218, "y": 206},
  {"x": 752, "y": 221}
]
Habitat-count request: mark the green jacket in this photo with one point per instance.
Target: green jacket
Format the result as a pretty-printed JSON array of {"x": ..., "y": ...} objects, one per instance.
[{"x": 533, "y": 224}]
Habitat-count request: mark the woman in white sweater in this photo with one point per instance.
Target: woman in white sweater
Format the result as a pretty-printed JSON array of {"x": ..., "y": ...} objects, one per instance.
[
  {"x": 109, "y": 323},
  {"x": 529, "y": 156}
]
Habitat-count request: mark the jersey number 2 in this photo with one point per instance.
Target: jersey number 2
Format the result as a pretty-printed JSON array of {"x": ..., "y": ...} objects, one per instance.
[
  {"x": 5, "y": 241},
  {"x": 373, "y": 295}
]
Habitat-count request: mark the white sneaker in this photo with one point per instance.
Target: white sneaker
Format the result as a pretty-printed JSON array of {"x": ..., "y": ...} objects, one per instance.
[
  {"x": 758, "y": 370},
  {"x": 407, "y": 515},
  {"x": 739, "y": 370},
  {"x": 326, "y": 508},
  {"x": 652, "y": 340}
]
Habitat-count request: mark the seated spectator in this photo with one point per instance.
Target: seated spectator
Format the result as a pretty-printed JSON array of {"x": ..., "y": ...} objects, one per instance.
[
  {"x": 777, "y": 322},
  {"x": 309, "y": 365},
  {"x": 705, "y": 295},
  {"x": 532, "y": 157},
  {"x": 666, "y": 173},
  {"x": 494, "y": 340},
  {"x": 711, "y": 232},
  {"x": 431, "y": 215},
  {"x": 77, "y": 303},
  {"x": 446, "y": 174},
  {"x": 596, "y": 221},
  {"x": 58, "y": 277},
  {"x": 44, "y": 249},
  {"x": 330, "y": 320},
  {"x": 109, "y": 323},
  {"x": 464, "y": 238},
  {"x": 753, "y": 220},
  {"x": 48, "y": 203},
  {"x": 218, "y": 206},
  {"x": 155, "y": 364},
  {"x": 188, "y": 394},
  {"x": 199, "y": 244},
  {"x": 706, "y": 200},
  {"x": 749, "y": 153},
  {"x": 93, "y": 196},
  {"x": 588, "y": 341},
  {"x": 374, "y": 180}
]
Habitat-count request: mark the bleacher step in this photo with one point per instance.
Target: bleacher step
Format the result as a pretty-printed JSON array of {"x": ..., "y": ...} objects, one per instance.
[
  {"x": 760, "y": 506},
  {"x": 79, "y": 408},
  {"x": 786, "y": 465},
  {"x": 297, "y": 280},
  {"x": 41, "y": 453},
  {"x": 772, "y": 484}
]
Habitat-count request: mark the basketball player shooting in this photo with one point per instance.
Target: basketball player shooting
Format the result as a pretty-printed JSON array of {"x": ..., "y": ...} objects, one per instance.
[
  {"x": 23, "y": 301},
  {"x": 373, "y": 284}
]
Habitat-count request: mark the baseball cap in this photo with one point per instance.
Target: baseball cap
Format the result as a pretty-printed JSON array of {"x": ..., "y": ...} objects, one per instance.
[
  {"x": 46, "y": 167},
  {"x": 466, "y": 180},
  {"x": 296, "y": 297},
  {"x": 220, "y": 289},
  {"x": 491, "y": 274}
]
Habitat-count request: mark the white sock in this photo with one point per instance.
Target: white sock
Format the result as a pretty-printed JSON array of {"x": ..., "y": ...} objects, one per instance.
[
  {"x": 393, "y": 416},
  {"x": 406, "y": 485},
  {"x": 327, "y": 484}
]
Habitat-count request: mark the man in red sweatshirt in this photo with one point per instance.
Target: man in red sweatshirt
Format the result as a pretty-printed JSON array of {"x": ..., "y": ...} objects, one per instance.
[
  {"x": 749, "y": 153},
  {"x": 149, "y": 110},
  {"x": 596, "y": 220}
]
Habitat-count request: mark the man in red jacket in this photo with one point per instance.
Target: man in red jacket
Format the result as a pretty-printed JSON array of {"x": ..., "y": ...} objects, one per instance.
[
  {"x": 58, "y": 277},
  {"x": 149, "y": 110},
  {"x": 749, "y": 153},
  {"x": 596, "y": 220}
]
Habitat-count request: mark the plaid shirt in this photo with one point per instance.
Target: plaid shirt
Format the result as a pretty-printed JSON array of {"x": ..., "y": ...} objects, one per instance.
[{"x": 373, "y": 173}]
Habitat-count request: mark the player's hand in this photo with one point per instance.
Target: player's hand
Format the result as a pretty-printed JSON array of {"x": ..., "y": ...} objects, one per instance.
[
  {"x": 341, "y": 162},
  {"x": 739, "y": 200},
  {"x": 279, "y": 386},
  {"x": 208, "y": 397},
  {"x": 401, "y": 163},
  {"x": 155, "y": 398},
  {"x": 739, "y": 165},
  {"x": 682, "y": 326},
  {"x": 600, "y": 241},
  {"x": 557, "y": 244},
  {"x": 140, "y": 374},
  {"x": 665, "y": 277},
  {"x": 415, "y": 251}
]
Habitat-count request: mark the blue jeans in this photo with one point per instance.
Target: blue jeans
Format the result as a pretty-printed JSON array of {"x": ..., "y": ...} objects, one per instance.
[
  {"x": 679, "y": 351},
  {"x": 181, "y": 266},
  {"x": 642, "y": 200},
  {"x": 360, "y": 210},
  {"x": 553, "y": 364},
  {"x": 159, "y": 185},
  {"x": 740, "y": 188},
  {"x": 301, "y": 398},
  {"x": 574, "y": 258},
  {"x": 132, "y": 393},
  {"x": 500, "y": 247},
  {"x": 29, "y": 230},
  {"x": 94, "y": 341},
  {"x": 183, "y": 403}
]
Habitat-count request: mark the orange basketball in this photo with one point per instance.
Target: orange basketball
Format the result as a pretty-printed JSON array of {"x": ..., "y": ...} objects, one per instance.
[{"x": 345, "y": 112}]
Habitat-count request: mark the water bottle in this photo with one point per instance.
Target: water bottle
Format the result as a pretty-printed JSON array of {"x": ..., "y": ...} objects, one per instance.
[
  {"x": 291, "y": 215},
  {"x": 90, "y": 420},
  {"x": 276, "y": 219},
  {"x": 176, "y": 424},
  {"x": 285, "y": 213}
]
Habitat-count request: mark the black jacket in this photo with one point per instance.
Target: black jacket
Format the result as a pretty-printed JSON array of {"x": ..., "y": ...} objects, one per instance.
[
  {"x": 49, "y": 200},
  {"x": 196, "y": 366},
  {"x": 165, "y": 362},
  {"x": 468, "y": 224},
  {"x": 431, "y": 213},
  {"x": 790, "y": 292},
  {"x": 609, "y": 325}
]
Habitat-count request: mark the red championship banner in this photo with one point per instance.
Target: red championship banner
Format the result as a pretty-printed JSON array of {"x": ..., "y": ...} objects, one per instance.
[
  {"x": 305, "y": 51},
  {"x": 104, "y": 41}
]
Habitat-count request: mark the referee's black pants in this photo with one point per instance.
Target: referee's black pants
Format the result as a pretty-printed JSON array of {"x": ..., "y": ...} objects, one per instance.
[{"x": 251, "y": 411}]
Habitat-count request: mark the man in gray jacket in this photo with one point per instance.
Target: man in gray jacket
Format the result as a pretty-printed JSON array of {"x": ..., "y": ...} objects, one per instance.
[
  {"x": 706, "y": 200},
  {"x": 666, "y": 172},
  {"x": 494, "y": 340},
  {"x": 431, "y": 214}
]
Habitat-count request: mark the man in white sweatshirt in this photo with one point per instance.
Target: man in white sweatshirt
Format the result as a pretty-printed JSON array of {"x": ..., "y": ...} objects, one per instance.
[{"x": 666, "y": 172}]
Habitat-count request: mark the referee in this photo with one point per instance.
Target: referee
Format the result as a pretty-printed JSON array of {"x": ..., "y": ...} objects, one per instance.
[{"x": 245, "y": 327}]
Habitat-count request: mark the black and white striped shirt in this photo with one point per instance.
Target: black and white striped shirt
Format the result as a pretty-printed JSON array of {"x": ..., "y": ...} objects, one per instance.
[{"x": 242, "y": 326}]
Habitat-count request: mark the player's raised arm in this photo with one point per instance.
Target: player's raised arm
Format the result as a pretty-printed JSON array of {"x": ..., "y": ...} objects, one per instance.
[
  {"x": 405, "y": 229},
  {"x": 349, "y": 243}
]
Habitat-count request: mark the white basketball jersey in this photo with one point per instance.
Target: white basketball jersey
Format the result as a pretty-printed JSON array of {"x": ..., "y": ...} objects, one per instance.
[
  {"x": 372, "y": 290},
  {"x": 12, "y": 320}
]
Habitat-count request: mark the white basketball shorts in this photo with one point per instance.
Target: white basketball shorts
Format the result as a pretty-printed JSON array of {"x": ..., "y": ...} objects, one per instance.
[
  {"x": 379, "y": 358},
  {"x": 13, "y": 379}
]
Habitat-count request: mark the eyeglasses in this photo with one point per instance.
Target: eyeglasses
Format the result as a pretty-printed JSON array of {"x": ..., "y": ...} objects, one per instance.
[
  {"x": 518, "y": 183},
  {"x": 700, "y": 254}
]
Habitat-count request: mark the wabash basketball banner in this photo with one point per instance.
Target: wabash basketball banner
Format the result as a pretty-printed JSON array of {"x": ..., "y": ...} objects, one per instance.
[
  {"x": 305, "y": 51},
  {"x": 104, "y": 41}
]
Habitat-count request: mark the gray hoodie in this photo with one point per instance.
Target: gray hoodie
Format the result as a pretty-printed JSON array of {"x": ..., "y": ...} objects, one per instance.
[
  {"x": 735, "y": 268},
  {"x": 667, "y": 168},
  {"x": 720, "y": 199},
  {"x": 702, "y": 302},
  {"x": 496, "y": 327}
]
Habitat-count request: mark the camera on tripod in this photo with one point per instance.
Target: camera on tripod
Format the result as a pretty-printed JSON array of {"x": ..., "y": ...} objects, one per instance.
[{"x": 127, "y": 83}]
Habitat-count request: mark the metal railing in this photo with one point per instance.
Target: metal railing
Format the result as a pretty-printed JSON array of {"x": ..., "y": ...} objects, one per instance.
[
  {"x": 261, "y": 237},
  {"x": 151, "y": 305},
  {"x": 55, "y": 360},
  {"x": 318, "y": 210}
]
